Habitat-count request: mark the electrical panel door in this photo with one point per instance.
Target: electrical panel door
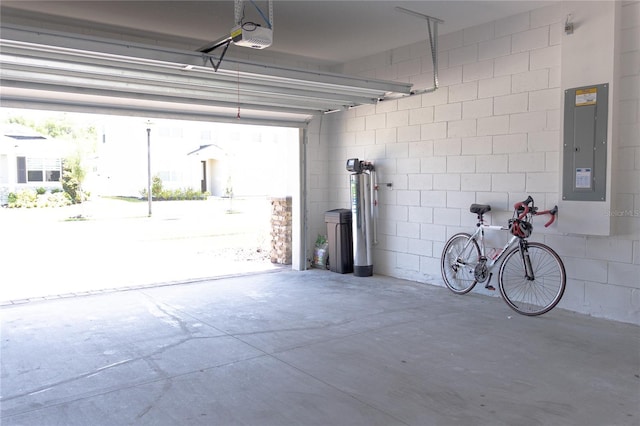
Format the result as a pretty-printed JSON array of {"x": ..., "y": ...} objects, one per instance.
[{"x": 584, "y": 165}]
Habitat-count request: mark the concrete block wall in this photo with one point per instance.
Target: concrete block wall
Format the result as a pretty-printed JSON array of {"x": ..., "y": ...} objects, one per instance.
[
  {"x": 490, "y": 134},
  {"x": 316, "y": 150}
]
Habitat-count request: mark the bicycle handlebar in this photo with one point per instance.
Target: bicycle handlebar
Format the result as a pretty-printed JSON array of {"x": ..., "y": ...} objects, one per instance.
[
  {"x": 553, "y": 212},
  {"x": 524, "y": 206},
  {"x": 528, "y": 201}
]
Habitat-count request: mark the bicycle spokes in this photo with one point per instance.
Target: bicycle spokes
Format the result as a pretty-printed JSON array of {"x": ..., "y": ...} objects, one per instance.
[
  {"x": 459, "y": 257},
  {"x": 539, "y": 291}
]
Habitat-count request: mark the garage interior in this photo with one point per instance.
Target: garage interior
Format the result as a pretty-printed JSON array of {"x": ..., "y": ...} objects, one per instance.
[
  {"x": 456, "y": 103},
  {"x": 311, "y": 348}
]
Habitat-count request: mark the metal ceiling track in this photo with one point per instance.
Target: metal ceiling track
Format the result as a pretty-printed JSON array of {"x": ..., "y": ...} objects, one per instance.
[
  {"x": 33, "y": 59},
  {"x": 433, "y": 43}
]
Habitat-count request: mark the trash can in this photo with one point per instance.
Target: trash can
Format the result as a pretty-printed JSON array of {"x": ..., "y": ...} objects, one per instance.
[{"x": 340, "y": 240}]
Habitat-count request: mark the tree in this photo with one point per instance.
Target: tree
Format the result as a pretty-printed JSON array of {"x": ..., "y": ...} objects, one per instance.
[{"x": 72, "y": 176}]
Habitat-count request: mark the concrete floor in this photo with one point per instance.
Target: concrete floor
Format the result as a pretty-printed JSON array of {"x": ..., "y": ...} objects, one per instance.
[{"x": 311, "y": 348}]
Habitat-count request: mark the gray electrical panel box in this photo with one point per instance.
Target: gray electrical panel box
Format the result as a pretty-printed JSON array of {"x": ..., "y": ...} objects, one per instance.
[{"x": 584, "y": 164}]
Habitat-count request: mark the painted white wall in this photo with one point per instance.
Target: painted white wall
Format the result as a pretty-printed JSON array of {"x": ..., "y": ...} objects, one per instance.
[
  {"x": 490, "y": 134},
  {"x": 583, "y": 70}
]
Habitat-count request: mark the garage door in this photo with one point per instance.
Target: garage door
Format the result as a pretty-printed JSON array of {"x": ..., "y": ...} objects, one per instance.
[{"x": 46, "y": 69}]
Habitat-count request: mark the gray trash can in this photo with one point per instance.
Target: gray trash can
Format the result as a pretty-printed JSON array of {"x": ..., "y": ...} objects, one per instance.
[{"x": 340, "y": 239}]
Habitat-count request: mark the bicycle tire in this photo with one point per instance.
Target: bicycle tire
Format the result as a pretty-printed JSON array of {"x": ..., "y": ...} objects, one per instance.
[
  {"x": 458, "y": 276},
  {"x": 538, "y": 296}
]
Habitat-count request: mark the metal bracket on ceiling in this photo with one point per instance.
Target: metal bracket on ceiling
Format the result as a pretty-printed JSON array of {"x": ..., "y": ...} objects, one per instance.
[
  {"x": 433, "y": 42},
  {"x": 226, "y": 41}
]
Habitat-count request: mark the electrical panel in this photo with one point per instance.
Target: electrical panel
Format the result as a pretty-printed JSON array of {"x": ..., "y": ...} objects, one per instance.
[{"x": 584, "y": 165}]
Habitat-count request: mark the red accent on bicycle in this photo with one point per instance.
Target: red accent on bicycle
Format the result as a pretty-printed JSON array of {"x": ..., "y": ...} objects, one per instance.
[{"x": 524, "y": 207}]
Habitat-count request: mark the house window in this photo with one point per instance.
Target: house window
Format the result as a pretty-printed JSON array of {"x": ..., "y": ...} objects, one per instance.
[
  {"x": 34, "y": 176},
  {"x": 22, "y": 170},
  {"x": 52, "y": 175},
  {"x": 39, "y": 169}
]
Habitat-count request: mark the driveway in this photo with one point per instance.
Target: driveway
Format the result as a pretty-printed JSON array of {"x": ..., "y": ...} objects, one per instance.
[{"x": 111, "y": 243}]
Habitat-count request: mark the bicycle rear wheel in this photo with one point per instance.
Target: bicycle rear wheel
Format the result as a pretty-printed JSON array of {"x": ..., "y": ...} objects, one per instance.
[
  {"x": 459, "y": 259},
  {"x": 532, "y": 296}
]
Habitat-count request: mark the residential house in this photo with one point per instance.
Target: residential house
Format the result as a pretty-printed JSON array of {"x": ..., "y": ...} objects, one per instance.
[{"x": 29, "y": 160}]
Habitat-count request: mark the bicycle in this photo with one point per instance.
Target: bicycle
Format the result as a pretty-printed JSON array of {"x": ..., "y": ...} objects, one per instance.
[{"x": 531, "y": 277}]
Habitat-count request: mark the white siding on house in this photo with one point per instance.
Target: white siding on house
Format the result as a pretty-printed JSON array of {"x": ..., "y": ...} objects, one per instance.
[
  {"x": 490, "y": 134},
  {"x": 41, "y": 160},
  {"x": 4, "y": 169}
]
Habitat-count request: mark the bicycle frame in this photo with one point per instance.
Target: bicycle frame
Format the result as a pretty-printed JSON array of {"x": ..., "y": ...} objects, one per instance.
[
  {"x": 523, "y": 210},
  {"x": 478, "y": 236},
  {"x": 531, "y": 275}
]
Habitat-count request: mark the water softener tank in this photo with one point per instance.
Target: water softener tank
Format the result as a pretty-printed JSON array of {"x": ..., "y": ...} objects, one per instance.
[{"x": 362, "y": 217}]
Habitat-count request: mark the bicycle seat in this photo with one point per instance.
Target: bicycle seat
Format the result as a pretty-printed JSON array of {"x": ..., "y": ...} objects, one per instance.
[{"x": 480, "y": 209}]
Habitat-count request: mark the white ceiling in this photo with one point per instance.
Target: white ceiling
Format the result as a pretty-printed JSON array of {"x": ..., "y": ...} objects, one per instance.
[{"x": 332, "y": 32}]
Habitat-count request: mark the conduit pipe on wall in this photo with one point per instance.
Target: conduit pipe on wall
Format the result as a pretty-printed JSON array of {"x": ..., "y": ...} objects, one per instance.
[{"x": 374, "y": 204}]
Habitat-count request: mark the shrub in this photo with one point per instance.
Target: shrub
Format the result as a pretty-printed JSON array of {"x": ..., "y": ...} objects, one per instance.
[
  {"x": 58, "y": 199},
  {"x": 26, "y": 198},
  {"x": 72, "y": 187},
  {"x": 156, "y": 187},
  {"x": 159, "y": 193},
  {"x": 29, "y": 198},
  {"x": 72, "y": 177},
  {"x": 41, "y": 191}
]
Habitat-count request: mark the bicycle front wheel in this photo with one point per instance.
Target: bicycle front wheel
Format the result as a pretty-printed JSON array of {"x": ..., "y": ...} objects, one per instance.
[
  {"x": 534, "y": 295},
  {"x": 459, "y": 259}
]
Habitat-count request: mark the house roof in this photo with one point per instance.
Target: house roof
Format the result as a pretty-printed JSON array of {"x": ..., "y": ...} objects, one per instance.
[
  {"x": 20, "y": 132},
  {"x": 22, "y": 140},
  {"x": 209, "y": 152}
]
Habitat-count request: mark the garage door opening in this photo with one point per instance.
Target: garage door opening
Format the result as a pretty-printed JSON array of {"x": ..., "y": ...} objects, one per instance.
[{"x": 243, "y": 178}]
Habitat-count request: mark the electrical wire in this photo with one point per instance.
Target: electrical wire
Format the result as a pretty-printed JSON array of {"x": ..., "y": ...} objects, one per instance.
[
  {"x": 250, "y": 26},
  {"x": 261, "y": 13},
  {"x": 251, "y": 23}
]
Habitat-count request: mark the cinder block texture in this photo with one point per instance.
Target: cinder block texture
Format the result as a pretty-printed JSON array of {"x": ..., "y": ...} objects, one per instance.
[{"x": 492, "y": 133}]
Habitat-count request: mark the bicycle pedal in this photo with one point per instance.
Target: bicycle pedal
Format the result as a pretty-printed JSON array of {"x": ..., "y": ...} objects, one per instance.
[{"x": 489, "y": 287}]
